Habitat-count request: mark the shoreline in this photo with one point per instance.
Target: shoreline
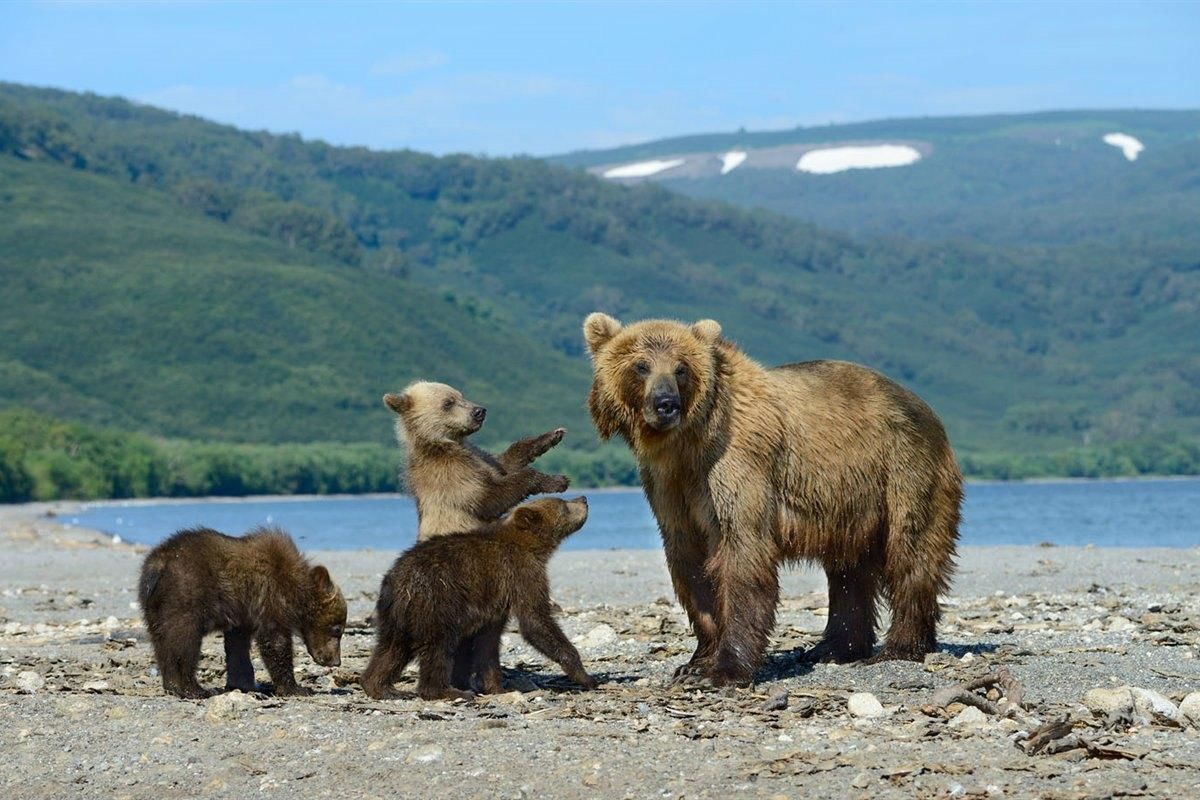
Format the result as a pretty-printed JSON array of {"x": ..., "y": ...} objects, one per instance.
[{"x": 285, "y": 498}]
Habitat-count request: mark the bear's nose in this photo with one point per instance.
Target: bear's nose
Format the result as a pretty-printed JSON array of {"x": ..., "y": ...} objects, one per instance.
[
  {"x": 479, "y": 413},
  {"x": 666, "y": 405}
]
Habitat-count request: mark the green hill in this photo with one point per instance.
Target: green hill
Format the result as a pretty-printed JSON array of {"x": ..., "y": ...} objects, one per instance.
[{"x": 171, "y": 276}]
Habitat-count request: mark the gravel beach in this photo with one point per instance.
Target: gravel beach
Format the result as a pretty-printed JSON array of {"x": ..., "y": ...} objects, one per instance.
[{"x": 82, "y": 712}]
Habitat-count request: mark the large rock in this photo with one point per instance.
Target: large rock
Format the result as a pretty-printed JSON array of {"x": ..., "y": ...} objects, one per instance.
[{"x": 865, "y": 706}]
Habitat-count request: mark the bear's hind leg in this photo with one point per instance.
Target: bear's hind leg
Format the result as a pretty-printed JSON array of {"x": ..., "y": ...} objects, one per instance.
[
  {"x": 177, "y": 650},
  {"x": 850, "y": 629},
  {"x": 239, "y": 669},
  {"x": 433, "y": 679},
  {"x": 388, "y": 660},
  {"x": 918, "y": 569}
]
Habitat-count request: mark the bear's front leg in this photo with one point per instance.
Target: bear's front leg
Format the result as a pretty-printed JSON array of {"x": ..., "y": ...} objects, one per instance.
[
  {"x": 275, "y": 647},
  {"x": 745, "y": 578},
  {"x": 686, "y": 556},
  {"x": 523, "y": 452}
]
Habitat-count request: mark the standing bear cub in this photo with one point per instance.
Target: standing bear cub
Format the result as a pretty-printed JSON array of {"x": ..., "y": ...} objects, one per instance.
[
  {"x": 451, "y": 590},
  {"x": 746, "y": 467},
  {"x": 458, "y": 486},
  {"x": 257, "y": 587}
]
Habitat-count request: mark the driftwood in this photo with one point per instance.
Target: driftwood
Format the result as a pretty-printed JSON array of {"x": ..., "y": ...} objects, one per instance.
[
  {"x": 1042, "y": 736},
  {"x": 1008, "y": 706}
]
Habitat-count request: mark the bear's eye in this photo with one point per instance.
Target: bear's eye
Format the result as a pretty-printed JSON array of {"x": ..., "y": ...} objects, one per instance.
[
  {"x": 681, "y": 372},
  {"x": 642, "y": 368},
  {"x": 448, "y": 404}
]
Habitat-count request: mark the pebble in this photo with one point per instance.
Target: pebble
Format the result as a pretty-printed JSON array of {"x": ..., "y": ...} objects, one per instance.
[
  {"x": 865, "y": 705},
  {"x": 29, "y": 682},
  {"x": 425, "y": 755},
  {"x": 1105, "y": 702},
  {"x": 1189, "y": 709},
  {"x": 969, "y": 717},
  {"x": 861, "y": 781},
  {"x": 227, "y": 706},
  {"x": 599, "y": 636},
  {"x": 1145, "y": 703}
]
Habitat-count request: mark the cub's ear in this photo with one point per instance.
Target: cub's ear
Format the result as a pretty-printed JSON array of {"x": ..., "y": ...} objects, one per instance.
[
  {"x": 707, "y": 330},
  {"x": 321, "y": 580},
  {"x": 598, "y": 329},
  {"x": 398, "y": 402},
  {"x": 526, "y": 517}
]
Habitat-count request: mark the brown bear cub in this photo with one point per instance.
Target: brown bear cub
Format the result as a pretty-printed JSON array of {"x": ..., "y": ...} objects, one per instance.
[
  {"x": 450, "y": 590},
  {"x": 458, "y": 486},
  {"x": 257, "y": 587},
  {"x": 748, "y": 467}
]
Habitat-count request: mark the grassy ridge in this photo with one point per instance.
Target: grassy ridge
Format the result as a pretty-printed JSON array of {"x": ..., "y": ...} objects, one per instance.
[{"x": 192, "y": 281}]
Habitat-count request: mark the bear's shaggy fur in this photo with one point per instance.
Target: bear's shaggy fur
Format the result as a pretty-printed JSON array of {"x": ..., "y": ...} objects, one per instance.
[
  {"x": 450, "y": 591},
  {"x": 747, "y": 467},
  {"x": 457, "y": 486},
  {"x": 256, "y": 588}
]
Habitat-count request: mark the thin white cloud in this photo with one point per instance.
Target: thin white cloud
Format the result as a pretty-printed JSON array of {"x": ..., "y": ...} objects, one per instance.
[{"x": 405, "y": 64}]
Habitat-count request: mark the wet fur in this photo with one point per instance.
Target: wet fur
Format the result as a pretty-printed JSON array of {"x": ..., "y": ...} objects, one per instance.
[
  {"x": 451, "y": 596},
  {"x": 254, "y": 588},
  {"x": 822, "y": 461}
]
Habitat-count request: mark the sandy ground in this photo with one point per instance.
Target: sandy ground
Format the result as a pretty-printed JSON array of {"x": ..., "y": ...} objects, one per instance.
[{"x": 82, "y": 713}]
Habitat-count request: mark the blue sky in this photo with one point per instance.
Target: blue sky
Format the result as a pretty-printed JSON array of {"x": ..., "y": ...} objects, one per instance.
[{"x": 501, "y": 78}]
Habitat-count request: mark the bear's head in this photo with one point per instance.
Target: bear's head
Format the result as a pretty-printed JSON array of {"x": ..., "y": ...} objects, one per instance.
[
  {"x": 545, "y": 522},
  {"x": 650, "y": 378},
  {"x": 434, "y": 412},
  {"x": 326, "y": 619}
]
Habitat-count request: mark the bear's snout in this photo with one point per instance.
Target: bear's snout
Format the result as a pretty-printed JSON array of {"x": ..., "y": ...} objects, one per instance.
[
  {"x": 665, "y": 406},
  {"x": 478, "y": 413}
]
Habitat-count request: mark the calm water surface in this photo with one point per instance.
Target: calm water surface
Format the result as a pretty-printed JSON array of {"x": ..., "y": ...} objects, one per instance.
[{"x": 1144, "y": 513}]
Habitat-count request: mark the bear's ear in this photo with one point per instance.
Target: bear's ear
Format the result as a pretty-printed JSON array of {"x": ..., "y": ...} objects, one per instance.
[
  {"x": 598, "y": 329},
  {"x": 398, "y": 402},
  {"x": 321, "y": 580},
  {"x": 707, "y": 330},
  {"x": 527, "y": 517}
]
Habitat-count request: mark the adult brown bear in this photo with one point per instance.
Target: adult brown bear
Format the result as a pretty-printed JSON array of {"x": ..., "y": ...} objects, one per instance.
[{"x": 746, "y": 467}]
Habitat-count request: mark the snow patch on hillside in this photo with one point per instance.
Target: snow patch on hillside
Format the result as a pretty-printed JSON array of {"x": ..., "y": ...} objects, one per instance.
[
  {"x": 1129, "y": 145},
  {"x": 732, "y": 160},
  {"x": 643, "y": 169},
  {"x": 837, "y": 159}
]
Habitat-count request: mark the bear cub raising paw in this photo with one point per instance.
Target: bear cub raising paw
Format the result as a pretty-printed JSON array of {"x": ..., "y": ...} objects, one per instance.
[
  {"x": 458, "y": 486},
  {"x": 450, "y": 591},
  {"x": 257, "y": 587}
]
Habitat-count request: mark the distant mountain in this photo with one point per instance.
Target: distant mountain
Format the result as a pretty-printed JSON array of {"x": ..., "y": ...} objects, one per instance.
[
  {"x": 1064, "y": 177},
  {"x": 177, "y": 277}
]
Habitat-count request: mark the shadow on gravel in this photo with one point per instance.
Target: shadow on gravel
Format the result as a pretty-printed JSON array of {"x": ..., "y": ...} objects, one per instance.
[
  {"x": 785, "y": 664},
  {"x": 960, "y": 650}
]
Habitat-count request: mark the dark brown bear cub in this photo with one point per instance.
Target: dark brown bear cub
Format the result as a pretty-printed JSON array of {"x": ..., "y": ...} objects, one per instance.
[
  {"x": 451, "y": 590},
  {"x": 257, "y": 587}
]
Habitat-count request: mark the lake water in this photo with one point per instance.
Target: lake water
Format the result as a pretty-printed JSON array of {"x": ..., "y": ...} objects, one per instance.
[{"x": 1116, "y": 513}]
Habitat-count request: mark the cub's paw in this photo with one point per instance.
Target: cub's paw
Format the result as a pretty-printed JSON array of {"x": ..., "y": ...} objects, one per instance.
[
  {"x": 293, "y": 691},
  {"x": 555, "y": 484},
  {"x": 586, "y": 681}
]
